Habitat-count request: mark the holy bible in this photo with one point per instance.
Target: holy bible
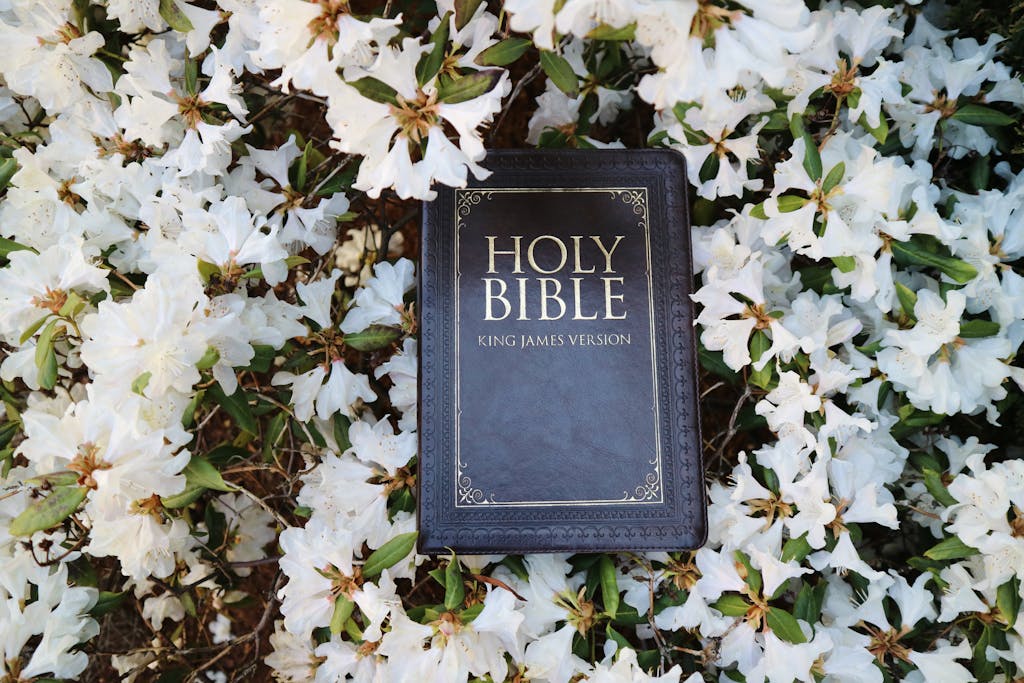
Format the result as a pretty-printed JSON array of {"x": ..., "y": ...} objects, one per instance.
[{"x": 558, "y": 393}]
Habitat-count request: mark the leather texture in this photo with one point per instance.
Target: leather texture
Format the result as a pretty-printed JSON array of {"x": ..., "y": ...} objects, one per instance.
[{"x": 558, "y": 395}]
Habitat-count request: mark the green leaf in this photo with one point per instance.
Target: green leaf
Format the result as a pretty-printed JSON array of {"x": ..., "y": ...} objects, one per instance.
[
  {"x": 796, "y": 549},
  {"x": 880, "y": 132},
  {"x": 341, "y": 426},
  {"x": 834, "y": 177},
  {"x": 207, "y": 270},
  {"x": 262, "y": 358},
  {"x": 504, "y": 52},
  {"x": 933, "y": 482},
  {"x": 174, "y": 17},
  {"x": 209, "y": 359},
  {"x": 108, "y": 601},
  {"x": 1008, "y": 601},
  {"x": 560, "y": 73},
  {"x": 973, "y": 329},
  {"x": 606, "y": 32},
  {"x": 732, "y": 605},
  {"x": 808, "y": 603},
  {"x": 469, "y": 86},
  {"x": 373, "y": 337},
  {"x": 951, "y": 548},
  {"x": 342, "y": 611},
  {"x": 192, "y": 76},
  {"x": 913, "y": 251},
  {"x": 464, "y": 11},
  {"x": 7, "y": 246},
  {"x": 54, "y": 479},
  {"x": 979, "y": 173},
  {"x": 845, "y": 264},
  {"x": 980, "y": 115},
  {"x": 32, "y": 329},
  {"x": 199, "y": 472},
  {"x": 753, "y": 578},
  {"x": 467, "y": 615},
  {"x": 759, "y": 344},
  {"x": 189, "y": 495},
  {"x": 908, "y": 299},
  {"x": 46, "y": 357},
  {"x": 983, "y": 669},
  {"x": 237, "y": 406},
  {"x": 140, "y": 383},
  {"x": 8, "y": 167},
  {"x": 378, "y": 91},
  {"x": 430, "y": 63},
  {"x": 812, "y": 160},
  {"x": 454, "y": 591},
  {"x": 785, "y": 626},
  {"x": 389, "y": 554},
  {"x": 46, "y": 513},
  {"x": 616, "y": 637},
  {"x": 609, "y": 585}
]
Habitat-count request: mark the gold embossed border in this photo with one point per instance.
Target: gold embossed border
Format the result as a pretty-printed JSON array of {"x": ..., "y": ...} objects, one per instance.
[{"x": 649, "y": 490}]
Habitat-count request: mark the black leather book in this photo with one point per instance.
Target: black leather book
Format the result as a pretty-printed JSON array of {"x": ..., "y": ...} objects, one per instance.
[{"x": 558, "y": 393}]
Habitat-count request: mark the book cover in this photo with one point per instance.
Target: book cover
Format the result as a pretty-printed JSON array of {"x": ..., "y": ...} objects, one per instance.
[{"x": 558, "y": 391}]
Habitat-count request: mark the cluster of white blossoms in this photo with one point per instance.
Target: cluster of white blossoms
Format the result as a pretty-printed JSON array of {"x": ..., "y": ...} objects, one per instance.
[{"x": 208, "y": 344}]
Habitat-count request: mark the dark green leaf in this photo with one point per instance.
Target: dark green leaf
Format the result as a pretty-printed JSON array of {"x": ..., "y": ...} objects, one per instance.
[
  {"x": 785, "y": 626},
  {"x": 980, "y": 115},
  {"x": 174, "y": 17},
  {"x": 753, "y": 577},
  {"x": 341, "y": 426},
  {"x": 834, "y": 177},
  {"x": 464, "y": 11},
  {"x": 504, "y": 52},
  {"x": 46, "y": 513},
  {"x": 812, "y": 160},
  {"x": 378, "y": 91},
  {"x": 262, "y": 358},
  {"x": 908, "y": 299},
  {"x": 732, "y": 605},
  {"x": 389, "y": 554},
  {"x": 200, "y": 472},
  {"x": 468, "y": 87},
  {"x": 796, "y": 549},
  {"x": 431, "y": 62},
  {"x": 560, "y": 73},
  {"x": 8, "y": 167},
  {"x": 189, "y": 495},
  {"x": 609, "y": 585},
  {"x": 237, "y": 406},
  {"x": 880, "y": 132},
  {"x": 933, "y": 482},
  {"x": 46, "y": 357},
  {"x": 108, "y": 601},
  {"x": 454, "y": 591},
  {"x": 979, "y": 173},
  {"x": 617, "y": 637},
  {"x": 951, "y": 548},
  {"x": 973, "y": 329},
  {"x": 808, "y": 603},
  {"x": 1008, "y": 601},
  {"x": 913, "y": 251},
  {"x": 373, "y": 337}
]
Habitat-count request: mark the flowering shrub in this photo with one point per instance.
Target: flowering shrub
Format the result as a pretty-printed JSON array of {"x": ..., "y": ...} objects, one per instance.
[{"x": 208, "y": 448}]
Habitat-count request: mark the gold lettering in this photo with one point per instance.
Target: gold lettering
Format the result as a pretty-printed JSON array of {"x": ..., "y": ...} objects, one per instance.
[
  {"x": 522, "y": 298},
  {"x": 492, "y": 252},
  {"x": 576, "y": 256},
  {"x": 500, "y": 296},
  {"x": 545, "y": 297},
  {"x": 607, "y": 252},
  {"x": 577, "y": 303},
  {"x": 608, "y": 297},
  {"x": 561, "y": 248}
]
